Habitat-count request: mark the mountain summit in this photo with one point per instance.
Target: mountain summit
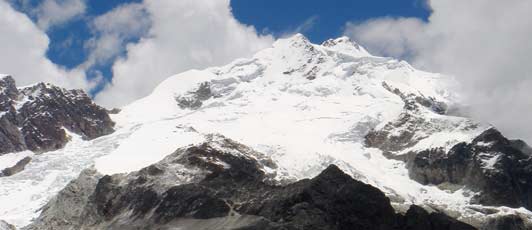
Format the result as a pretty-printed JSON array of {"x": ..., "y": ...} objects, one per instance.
[{"x": 268, "y": 128}]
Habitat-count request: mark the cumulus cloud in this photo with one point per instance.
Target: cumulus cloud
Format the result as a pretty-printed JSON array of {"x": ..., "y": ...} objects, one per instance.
[
  {"x": 184, "y": 34},
  {"x": 113, "y": 30},
  {"x": 51, "y": 13},
  {"x": 485, "y": 44},
  {"x": 23, "y": 53}
]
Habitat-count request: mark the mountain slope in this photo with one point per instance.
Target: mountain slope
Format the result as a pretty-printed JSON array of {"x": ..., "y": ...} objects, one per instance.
[
  {"x": 221, "y": 184},
  {"x": 35, "y": 117},
  {"x": 305, "y": 107},
  {"x": 43, "y": 130}
]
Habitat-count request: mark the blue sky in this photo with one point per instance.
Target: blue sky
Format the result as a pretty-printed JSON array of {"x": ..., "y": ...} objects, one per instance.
[
  {"x": 485, "y": 43},
  {"x": 317, "y": 19}
]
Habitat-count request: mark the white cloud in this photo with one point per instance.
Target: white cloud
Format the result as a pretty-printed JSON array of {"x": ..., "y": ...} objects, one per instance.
[
  {"x": 402, "y": 37},
  {"x": 112, "y": 30},
  {"x": 185, "y": 34},
  {"x": 484, "y": 43},
  {"x": 50, "y": 13},
  {"x": 23, "y": 53}
]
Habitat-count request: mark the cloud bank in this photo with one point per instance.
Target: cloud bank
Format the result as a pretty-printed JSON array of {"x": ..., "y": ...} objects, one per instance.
[
  {"x": 113, "y": 30},
  {"x": 184, "y": 34},
  {"x": 485, "y": 44},
  {"x": 175, "y": 36}
]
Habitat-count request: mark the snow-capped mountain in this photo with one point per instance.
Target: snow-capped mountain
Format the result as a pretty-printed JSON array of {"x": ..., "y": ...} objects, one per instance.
[{"x": 281, "y": 117}]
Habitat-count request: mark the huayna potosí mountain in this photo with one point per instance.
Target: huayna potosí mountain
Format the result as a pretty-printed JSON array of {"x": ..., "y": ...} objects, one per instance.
[{"x": 299, "y": 136}]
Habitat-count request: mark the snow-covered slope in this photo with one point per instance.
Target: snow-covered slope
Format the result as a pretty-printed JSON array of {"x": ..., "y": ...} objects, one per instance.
[
  {"x": 305, "y": 106},
  {"x": 269, "y": 102}
]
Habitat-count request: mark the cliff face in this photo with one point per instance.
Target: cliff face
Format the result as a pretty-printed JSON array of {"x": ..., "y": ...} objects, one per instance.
[{"x": 38, "y": 117}]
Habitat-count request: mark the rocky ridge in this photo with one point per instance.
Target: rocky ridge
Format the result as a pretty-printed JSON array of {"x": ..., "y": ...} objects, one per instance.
[
  {"x": 221, "y": 184},
  {"x": 35, "y": 117},
  {"x": 38, "y": 118},
  {"x": 496, "y": 168}
]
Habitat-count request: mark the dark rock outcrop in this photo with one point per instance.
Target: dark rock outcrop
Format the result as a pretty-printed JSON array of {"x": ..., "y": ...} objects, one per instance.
[
  {"x": 412, "y": 125},
  {"x": 498, "y": 169},
  {"x": 18, "y": 167},
  {"x": 412, "y": 101},
  {"x": 417, "y": 218},
  {"x": 512, "y": 222},
  {"x": 233, "y": 191},
  {"x": 194, "y": 99},
  {"x": 34, "y": 118},
  {"x": 491, "y": 165}
]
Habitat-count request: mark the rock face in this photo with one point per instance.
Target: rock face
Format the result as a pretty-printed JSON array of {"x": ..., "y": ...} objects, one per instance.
[
  {"x": 6, "y": 226},
  {"x": 490, "y": 164},
  {"x": 495, "y": 167},
  {"x": 194, "y": 99},
  {"x": 35, "y": 117},
  {"x": 221, "y": 184},
  {"x": 421, "y": 118},
  {"x": 512, "y": 222},
  {"x": 18, "y": 167}
]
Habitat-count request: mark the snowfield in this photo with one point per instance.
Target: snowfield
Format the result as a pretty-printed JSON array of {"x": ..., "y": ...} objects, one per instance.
[{"x": 304, "y": 105}]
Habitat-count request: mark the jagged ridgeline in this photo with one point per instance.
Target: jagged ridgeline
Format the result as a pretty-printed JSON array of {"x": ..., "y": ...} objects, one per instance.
[
  {"x": 39, "y": 117},
  {"x": 221, "y": 184},
  {"x": 299, "y": 136}
]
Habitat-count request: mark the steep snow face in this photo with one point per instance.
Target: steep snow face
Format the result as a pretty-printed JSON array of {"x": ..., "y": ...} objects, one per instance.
[
  {"x": 299, "y": 101},
  {"x": 305, "y": 106}
]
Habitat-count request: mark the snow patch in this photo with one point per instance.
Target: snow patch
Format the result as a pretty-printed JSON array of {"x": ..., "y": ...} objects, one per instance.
[{"x": 149, "y": 144}]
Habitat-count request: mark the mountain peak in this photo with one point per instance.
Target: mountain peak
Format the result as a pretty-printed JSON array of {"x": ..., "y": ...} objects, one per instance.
[
  {"x": 345, "y": 45},
  {"x": 341, "y": 40},
  {"x": 298, "y": 37},
  {"x": 295, "y": 41}
]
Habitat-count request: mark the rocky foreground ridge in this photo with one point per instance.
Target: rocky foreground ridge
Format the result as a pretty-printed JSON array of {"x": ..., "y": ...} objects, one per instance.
[{"x": 221, "y": 184}]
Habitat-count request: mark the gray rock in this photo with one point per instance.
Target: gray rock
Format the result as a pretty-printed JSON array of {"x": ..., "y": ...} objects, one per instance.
[
  {"x": 510, "y": 222},
  {"x": 194, "y": 99},
  {"x": 491, "y": 165},
  {"x": 66, "y": 209},
  {"x": 226, "y": 188},
  {"x": 495, "y": 167},
  {"x": 6, "y": 226},
  {"x": 34, "y": 118},
  {"x": 18, "y": 167}
]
